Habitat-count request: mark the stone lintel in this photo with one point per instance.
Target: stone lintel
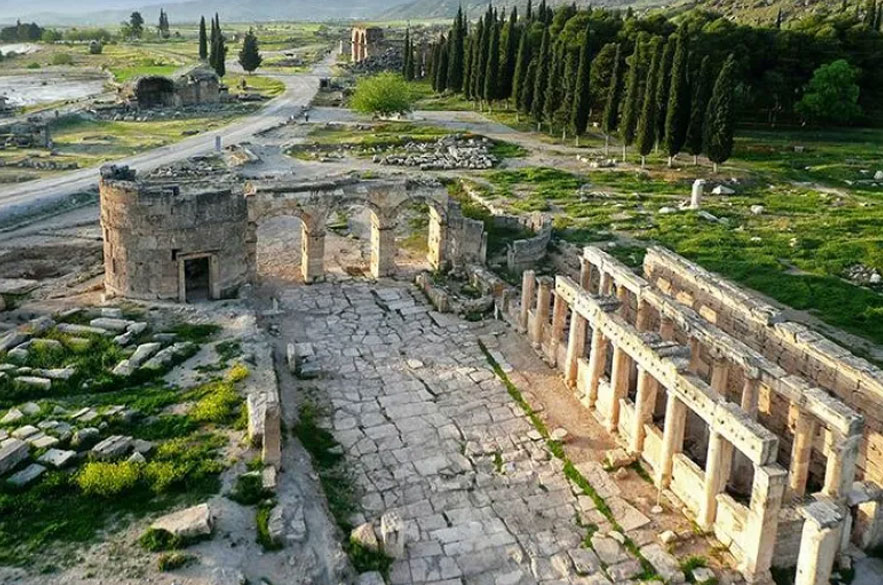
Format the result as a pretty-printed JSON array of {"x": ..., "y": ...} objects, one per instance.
[
  {"x": 822, "y": 512},
  {"x": 831, "y": 411},
  {"x": 622, "y": 275}
]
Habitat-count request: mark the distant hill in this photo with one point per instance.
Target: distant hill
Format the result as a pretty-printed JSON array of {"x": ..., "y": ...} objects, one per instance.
[
  {"x": 764, "y": 12},
  {"x": 103, "y": 12},
  {"x": 422, "y": 9}
]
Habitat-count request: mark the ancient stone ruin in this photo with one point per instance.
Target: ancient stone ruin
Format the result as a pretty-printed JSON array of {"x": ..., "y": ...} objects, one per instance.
[
  {"x": 191, "y": 86},
  {"x": 768, "y": 433},
  {"x": 180, "y": 240},
  {"x": 366, "y": 42}
]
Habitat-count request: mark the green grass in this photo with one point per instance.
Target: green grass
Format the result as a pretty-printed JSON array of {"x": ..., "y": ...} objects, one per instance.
[{"x": 262, "y": 517}]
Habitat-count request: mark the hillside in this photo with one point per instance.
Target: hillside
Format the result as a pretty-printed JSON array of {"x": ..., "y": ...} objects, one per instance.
[{"x": 475, "y": 8}]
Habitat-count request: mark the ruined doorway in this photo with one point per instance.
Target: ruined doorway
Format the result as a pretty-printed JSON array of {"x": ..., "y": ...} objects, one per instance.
[
  {"x": 197, "y": 279},
  {"x": 155, "y": 91}
]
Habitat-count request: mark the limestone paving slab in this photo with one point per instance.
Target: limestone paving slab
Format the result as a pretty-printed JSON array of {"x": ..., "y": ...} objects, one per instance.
[{"x": 431, "y": 434}]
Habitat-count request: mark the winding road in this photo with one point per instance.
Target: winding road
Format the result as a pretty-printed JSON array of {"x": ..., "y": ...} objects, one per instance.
[{"x": 299, "y": 91}]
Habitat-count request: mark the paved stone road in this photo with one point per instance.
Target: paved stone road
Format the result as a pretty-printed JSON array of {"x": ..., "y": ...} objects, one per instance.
[{"x": 431, "y": 433}]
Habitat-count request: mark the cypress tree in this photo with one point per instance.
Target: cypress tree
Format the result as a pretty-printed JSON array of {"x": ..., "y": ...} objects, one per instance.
[
  {"x": 611, "y": 108},
  {"x": 203, "y": 40},
  {"x": 526, "y": 104},
  {"x": 477, "y": 66},
  {"x": 632, "y": 103},
  {"x": 564, "y": 114},
  {"x": 678, "y": 111},
  {"x": 701, "y": 91},
  {"x": 779, "y": 19},
  {"x": 484, "y": 51},
  {"x": 662, "y": 85},
  {"x": 250, "y": 55},
  {"x": 456, "y": 53},
  {"x": 647, "y": 121},
  {"x": 719, "y": 116},
  {"x": 554, "y": 91},
  {"x": 467, "y": 67},
  {"x": 541, "y": 78},
  {"x": 520, "y": 74},
  {"x": 510, "y": 49},
  {"x": 431, "y": 68},
  {"x": 579, "y": 118},
  {"x": 529, "y": 12},
  {"x": 444, "y": 55},
  {"x": 492, "y": 73}
]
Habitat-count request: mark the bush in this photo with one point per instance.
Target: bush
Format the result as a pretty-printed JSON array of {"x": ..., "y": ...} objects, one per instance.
[
  {"x": 174, "y": 560},
  {"x": 156, "y": 540},
  {"x": 238, "y": 373},
  {"x": 218, "y": 405},
  {"x": 163, "y": 475},
  {"x": 383, "y": 94},
  {"x": 62, "y": 59},
  {"x": 249, "y": 489},
  {"x": 106, "y": 480},
  {"x": 95, "y": 47}
]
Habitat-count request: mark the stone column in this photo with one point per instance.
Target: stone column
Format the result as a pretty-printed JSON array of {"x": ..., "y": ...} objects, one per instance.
[
  {"x": 642, "y": 320},
  {"x": 528, "y": 284},
  {"x": 720, "y": 371},
  {"x": 597, "y": 364},
  {"x": 717, "y": 472},
  {"x": 750, "y": 393},
  {"x": 672, "y": 438},
  {"x": 312, "y": 256},
  {"x": 762, "y": 523},
  {"x": 819, "y": 543},
  {"x": 622, "y": 295},
  {"x": 541, "y": 317},
  {"x": 383, "y": 248},
  {"x": 619, "y": 385},
  {"x": 559, "y": 317},
  {"x": 605, "y": 285},
  {"x": 696, "y": 194},
  {"x": 585, "y": 274},
  {"x": 840, "y": 468},
  {"x": 667, "y": 329},
  {"x": 801, "y": 450},
  {"x": 251, "y": 250},
  {"x": 645, "y": 400},
  {"x": 576, "y": 344},
  {"x": 437, "y": 239}
]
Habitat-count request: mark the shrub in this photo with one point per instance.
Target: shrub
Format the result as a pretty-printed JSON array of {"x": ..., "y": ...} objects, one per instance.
[
  {"x": 156, "y": 540},
  {"x": 238, "y": 373},
  {"x": 249, "y": 489},
  {"x": 383, "y": 94},
  {"x": 162, "y": 475},
  {"x": 95, "y": 47},
  {"x": 98, "y": 478},
  {"x": 174, "y": 560},
  {"x": 62, "y": 59},
  {"x": 218, "y": 405}
]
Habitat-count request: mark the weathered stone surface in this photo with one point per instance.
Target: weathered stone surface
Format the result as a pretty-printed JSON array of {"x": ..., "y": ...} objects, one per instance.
[
  {"x": 56, "y": 373},
  {"x": 392, "y": 533},
  {"x": 364, "y": 535},
  {"x": 13, "y": 452},
  {"x": 370, "y": 578},
  {"x": 43, "y": 442},
  {"x": 665, "y": 564},
  {"x": 25, "y": 431},
  {"x": 73, "y": 329},
  {"x": 608, "y": 550},
  {"x": 85, "y": 437},
  {"x": 57, "y": 458},
  {"x": 118, "y": 325},
  {"x": 276, "y": 524},
  {"x": 11, "y": 416},
  {"x": 188, "y": 523},
  {"x": 34, "y": 382},
  {"x": 112, "y": 447},
  {"x": 703, "y": 576},
  {"x": 26, "y": 475}
]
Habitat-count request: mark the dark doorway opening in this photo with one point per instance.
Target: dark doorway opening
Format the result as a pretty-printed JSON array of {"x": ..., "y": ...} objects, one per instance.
[
  {"x": 197, "y": 282},
  {"x": 155, "y": 92}
]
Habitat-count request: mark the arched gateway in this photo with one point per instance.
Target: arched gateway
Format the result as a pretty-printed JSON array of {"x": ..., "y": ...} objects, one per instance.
[{"x": 173, "y": 239}]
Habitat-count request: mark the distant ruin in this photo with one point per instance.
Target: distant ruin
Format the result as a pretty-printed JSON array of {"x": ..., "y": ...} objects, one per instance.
[
  {"x": 366, "y": 42},
  {"x": 191, "y": 86}
]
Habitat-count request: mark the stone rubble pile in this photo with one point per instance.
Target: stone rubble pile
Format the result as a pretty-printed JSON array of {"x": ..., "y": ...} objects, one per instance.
[
  {"x": 388, "y": 60},
  {"x": 449, "y": 152},
  {"x": 864, "y": 275}
]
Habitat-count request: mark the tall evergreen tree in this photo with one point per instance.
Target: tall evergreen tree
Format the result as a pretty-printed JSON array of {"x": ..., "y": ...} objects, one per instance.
[
  {"x": 611, "y": 108},
  {"x": 510, "y": 49},
  {"x": 662, "y": 84},
  {"x": 444, "y": 55},
  {"x": 554, "y": 91},
  {"x": 779, "y": 19},
  {"x": 677, "y": 114},
  {"x": 528, "y": 14},
  {"x": 478, "y": 64},
  {"x": 163, "y": 25},
  {"x": 541, "y": 78},
  {"x": 519, "y": 77},
  {"x": 218, "y": 54},
  {"x": 467, "y": 66},
  {"x": 719, "y": 116},
  {"x": 582, "y": 95},
  {"x": 250, "y": 55},
  {"x": 563, "y": 117},
  {"x": 456, "y": 53},
  {"x": 632, "y": 103},
  {"x": 698, "y": 103},
  {"x": 492, "y": 73},
  {"x": 647, "y": 122},
  {"x": 203, "y": 39}
]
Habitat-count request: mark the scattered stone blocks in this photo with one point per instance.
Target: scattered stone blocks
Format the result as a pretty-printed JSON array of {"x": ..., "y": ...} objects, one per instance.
[
  {"x": 57, "y": 458},
  {"x": 26, "y": 475},
  {"x": 13, "y": 452},
  {"x": 112, "y": 447},
  {"x": 392, "y": 533},
  {"x": 191, "y": 522}
]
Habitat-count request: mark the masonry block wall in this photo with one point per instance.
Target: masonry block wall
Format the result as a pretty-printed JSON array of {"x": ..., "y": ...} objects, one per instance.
[{"x": 149, "y": 228}]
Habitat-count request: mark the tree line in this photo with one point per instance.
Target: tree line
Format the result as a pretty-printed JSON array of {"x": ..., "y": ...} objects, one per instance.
[{"x": 651, "y": 82}]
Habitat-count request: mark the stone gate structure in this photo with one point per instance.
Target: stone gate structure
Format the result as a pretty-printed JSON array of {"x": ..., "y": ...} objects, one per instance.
[
  {"x": 366, "y": 42},
  {"x": 163, "y": 237},
  {"x": 767, "y": 432}
]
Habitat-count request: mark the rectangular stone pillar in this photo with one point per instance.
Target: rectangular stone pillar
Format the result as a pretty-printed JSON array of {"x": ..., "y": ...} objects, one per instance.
[
  {"x": 559, "y": 317},
  {"x": 801, "y": 451},
  {"x": 840, "y": 467},
  {"x": 717, "y": 473},
  {"x": 672, "y": 438},
  {"x": 642, "y": 321},
  {"x": 383, "y": 249},
  {"x": 597, "y": 364},
  {"x": 528, "y": 285},
  {"x": 619, "y": 385},
  {"x": 645, "y": 400},
  {"x": 585, "y": 274},
  {"x": 605, "y": 287},
  {"x": 541, "y": 317},
  {"x": 312, "y": 256},
  {"x": 720, "y": 371},
  {"x": 437, "y": 239},
  {"x": 762, "y": 522},
  {"x": 750, "y": 394},
  {"x": 667, "y": 329},
  {"x": 576, "y": 342},
  {"x": 819, "y": 543}
]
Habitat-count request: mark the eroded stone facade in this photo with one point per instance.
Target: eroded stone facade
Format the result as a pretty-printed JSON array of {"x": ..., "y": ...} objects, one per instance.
[{"x": 366, "y": 42}]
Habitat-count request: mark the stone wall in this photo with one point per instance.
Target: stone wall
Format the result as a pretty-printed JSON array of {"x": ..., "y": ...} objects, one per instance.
[
  {"x": 794, "y": 347},
  {"x": 527, "y": 253},
  {"x": 150, "y": 229}
]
